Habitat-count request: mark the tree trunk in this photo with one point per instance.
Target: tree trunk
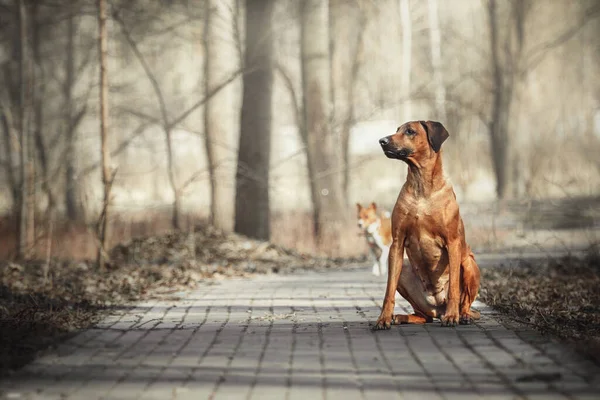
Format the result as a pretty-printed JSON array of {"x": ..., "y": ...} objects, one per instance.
[
  {"x": 436, "y": 61},
  {"x": 500, "y": 105},
  {"x": 39, "y": 96},
  {"x": 11, "y": 155},
  {"x": 347, "y": 24},
  {"x": 405, "y": 21},
  {"x": 323, "y": 150},
  {"x": 73, "y": 205},
  {"x": 26, "y": 215},
  {"x": 175, "y": 211},
  {"x": 107, "y": 178},
  {"x": 252, "y": 209},
  {"x": 219, "y": 65},
  {"x": 505, "y": 78},
  {"x": 519, "y": 10},
  {"x": 39, "y": 85}
]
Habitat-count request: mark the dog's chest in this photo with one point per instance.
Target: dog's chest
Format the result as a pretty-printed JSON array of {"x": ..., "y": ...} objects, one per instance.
[
  {"x": 421, "y": 211},
  {"x": 418, "y": 210},
  {"x": 422, "y": 208},
  {"x": 424, "y": 248},
  {"x": 429, "y": 261}
]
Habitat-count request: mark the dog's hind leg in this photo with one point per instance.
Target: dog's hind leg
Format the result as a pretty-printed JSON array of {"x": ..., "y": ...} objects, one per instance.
[
  {"x": 411, "y": 319},
  {"x": 469, "y": 287}
]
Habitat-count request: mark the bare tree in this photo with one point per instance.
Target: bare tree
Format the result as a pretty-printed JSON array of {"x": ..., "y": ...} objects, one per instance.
[
  {"x": 167, "y": 121},
  {"x": 506, "y": 54},
  {"x": 252, "y": 208},
  {"x": 436, "y": 60},
  {"x": 510, "y": 63},
  {"x": 348, "y": 21},
  {"x": 406, "y": 22},
  {"x": 323, "y": 150},
  {"x": 164, "y": 120},
  {"x": 39, "y": 93},
  {"x": 26, "y": 216},
  {"x": 72, "y": 118},
  {"x": 221, "y": 54},
  {"x": 11, "y": 152},
  {"x": 107, "y": 175}
]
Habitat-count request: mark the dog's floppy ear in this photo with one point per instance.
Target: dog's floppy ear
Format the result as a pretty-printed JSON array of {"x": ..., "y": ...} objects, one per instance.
[
  {"x": 436, "y": 134},
  {"x": 373, "y": 206}
]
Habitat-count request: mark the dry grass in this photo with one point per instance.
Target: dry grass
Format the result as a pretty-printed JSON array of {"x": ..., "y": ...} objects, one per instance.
[
  {"x": 488, "y": 228},
  {"x": 76, "y": 241},
  {"x": 294, "y": 230}
]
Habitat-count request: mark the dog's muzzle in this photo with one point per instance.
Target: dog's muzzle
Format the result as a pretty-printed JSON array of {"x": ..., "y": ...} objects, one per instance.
[{"x": 390, "y": 151}]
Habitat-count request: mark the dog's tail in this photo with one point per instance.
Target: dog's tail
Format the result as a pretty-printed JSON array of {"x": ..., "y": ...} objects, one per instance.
[{"x": 475, "y": 314}]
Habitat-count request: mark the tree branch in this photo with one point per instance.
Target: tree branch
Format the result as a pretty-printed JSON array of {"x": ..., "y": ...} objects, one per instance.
[
  {"x": 537, "y": 53},
  {"x": 147, "y": 70},
  {"x": 122, "y": 146},
  {"x": 287, "y": 80}
]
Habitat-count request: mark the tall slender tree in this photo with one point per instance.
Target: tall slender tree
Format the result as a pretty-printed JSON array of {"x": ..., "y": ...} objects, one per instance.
[
  {"x": 220, "y": 63},
  {"x": 72, "y": 118},
  {"x": 252, "y": 210},
  {"x": 323, "y": 150},
  {"x": 26, "y": 214},
  {"x": 348, "y": 20},
  {"x": 406, "y": 23},
  {"x": 435, "y": 44},
  {"x": 506, "y": 50},
  {"x": 107, "y": 176}
]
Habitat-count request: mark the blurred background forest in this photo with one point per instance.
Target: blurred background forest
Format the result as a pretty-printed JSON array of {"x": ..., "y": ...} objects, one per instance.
[{"x": 262, "y": 117}]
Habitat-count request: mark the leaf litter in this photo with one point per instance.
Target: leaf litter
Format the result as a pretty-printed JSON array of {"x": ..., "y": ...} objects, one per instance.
[{"x": 559, "y": 297}]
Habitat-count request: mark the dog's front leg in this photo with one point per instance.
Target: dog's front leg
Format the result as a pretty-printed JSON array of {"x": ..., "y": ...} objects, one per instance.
[
  {"x": 375, "y": 270},
  {"x": 383, "y": 259},
  {"x": 395, "y": 259},
  {"x": 451, "y": 316}
]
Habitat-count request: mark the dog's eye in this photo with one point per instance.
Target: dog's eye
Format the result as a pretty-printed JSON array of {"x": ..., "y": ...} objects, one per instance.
[{"x": 410, "y": 132}]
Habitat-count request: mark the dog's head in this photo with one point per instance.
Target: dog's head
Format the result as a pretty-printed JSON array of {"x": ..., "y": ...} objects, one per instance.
[
  {"x": 415, "y": 141},
  {"x": 366, "y": 215}
]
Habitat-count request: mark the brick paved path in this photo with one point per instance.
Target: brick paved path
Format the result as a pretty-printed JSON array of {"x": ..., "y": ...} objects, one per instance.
[{"x": 302, "y": 337}]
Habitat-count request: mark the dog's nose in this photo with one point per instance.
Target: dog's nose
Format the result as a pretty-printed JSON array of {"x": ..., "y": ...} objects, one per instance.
[{"x": 384, "y": 141}]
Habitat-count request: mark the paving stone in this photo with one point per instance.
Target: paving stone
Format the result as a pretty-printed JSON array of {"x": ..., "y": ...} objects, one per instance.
[{"x": 299, "y": 337}]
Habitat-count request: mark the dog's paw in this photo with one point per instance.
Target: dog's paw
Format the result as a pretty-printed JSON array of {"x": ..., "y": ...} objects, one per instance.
[
  {"x": 384, "y": 322},
  {"x": 449, "y": 319},
  {"x": 465, "y": 319},
  {"x": 375, "y": 269}
]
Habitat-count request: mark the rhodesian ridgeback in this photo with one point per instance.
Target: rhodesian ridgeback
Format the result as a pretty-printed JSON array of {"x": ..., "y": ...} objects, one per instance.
[{"x": 442, "y": 279}]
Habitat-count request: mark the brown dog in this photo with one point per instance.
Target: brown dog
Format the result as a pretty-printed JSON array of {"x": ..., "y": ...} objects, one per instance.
[{"x": 442, "y": 279}]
